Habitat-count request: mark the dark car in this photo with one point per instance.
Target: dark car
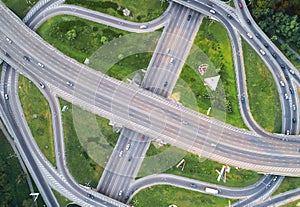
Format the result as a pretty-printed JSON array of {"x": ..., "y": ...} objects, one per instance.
[
  {"x": 257, "y": 35},
  {"x": 243, "y": 99},
  {"x": 294, "y": 120},
  {"x": 248, "y": 21},
  {"x": 90, "y": 196},
  {"x": 229, "y": 16},
  {"x": 27, "y": 59},
  {"x": 193, "y": 185},
  {"x": 266, "y": 45},
  {"x": 274, "y": 55},
  {"x": 189, "y": 17}
]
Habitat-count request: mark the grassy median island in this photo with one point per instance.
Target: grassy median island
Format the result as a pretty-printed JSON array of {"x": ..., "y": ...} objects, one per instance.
[
  {"x": 63, "y": 201},
  {"x": 263, "y": 96},
  {"x": 140, "y": 11},
  {"x": 38, "y": 116},
  {"x": 20, "y": 7},
  {"x": 288, "y": 183},
  {"x": 165, "y": 195},
  {"x": 213, "y": 40},
  {"x": 80, "y": 164}
]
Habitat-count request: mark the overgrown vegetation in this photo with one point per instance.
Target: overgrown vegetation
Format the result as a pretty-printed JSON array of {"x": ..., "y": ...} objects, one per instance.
[
  {"x": 20, "y": 8},
  {"x": 78, "y": 38},
  {"x": 14, "y": 190},
  {"x": 279, "y": 19},
  {"x": 140, "y": 11}
]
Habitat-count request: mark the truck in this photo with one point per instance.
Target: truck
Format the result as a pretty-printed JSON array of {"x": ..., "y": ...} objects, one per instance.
[
  {"x": 211, "y": 190},
  {"x": 143, "y": 27}
]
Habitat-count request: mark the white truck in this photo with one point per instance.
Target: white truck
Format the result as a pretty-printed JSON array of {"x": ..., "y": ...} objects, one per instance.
[{"x": 211, "y": 190}]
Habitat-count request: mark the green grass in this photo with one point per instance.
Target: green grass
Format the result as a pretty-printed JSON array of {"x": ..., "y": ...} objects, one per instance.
[
  {"x": 38, "y": 116},
  {"x": 164, "y": 195},
  {"x": 13, "y": 184},
  {"x": 289, "y": 183},
  {"x": 204, "y": 169},
  {"x": 213, "y": 40},
  {"x": 84, "y": 155},
  {"x": 141, "y": 11},
  {"x": 78, "y": 38},
  {"x": 20, "y": 8},
  {"x": 263, "y": 96}
]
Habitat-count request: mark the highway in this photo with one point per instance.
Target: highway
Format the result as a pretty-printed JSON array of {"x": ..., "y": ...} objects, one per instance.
[
  {"x": 270, "y": 155},
  {"x": 177, "y": 34},
  {"x": 161, "y": 108}
]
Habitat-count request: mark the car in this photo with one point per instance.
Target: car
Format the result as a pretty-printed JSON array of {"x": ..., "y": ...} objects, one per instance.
[
  {"x": 229, "y": 16},
  {"x": 243, "y": 100},
  {"x": 240, "y": 5},
  {"x": 70, "y": 84},
  {"x": 142, "y": 137},
  {"x": 266, "y": 45},
  {"x": 6, "y": 96},
  {"x": 262, "y": 52},
  {"x": 274, "y": 55},
  {"x": 210, "y": 4},
  {"x": 281, "y": 83},
  {"x": 212, "y": 11},
  {"x": 287, "y": 132},
  {"x": 292, "y": 71},
  {"x": 298, "y": 150},
  {"x": 294, "y": 120},
  {"x": 287, "y": 77},
  {"x": 249, "y": 35},
  {"x": 41, "y": 65},
  {"x": 128, "y": 146},
  {"x": 257, "y": 35},
  {"x": 282, "y": 65},
  {"x": 90, "y": 196},
  {"x": 286, "y": 96},
  {"x": 120, "y": 193},
  {"x": 9, "y": 40},
  {"x": 193, "y": 185},
  {"x": 121, "y": 153},
  {"x": 189, "y": 17},
  {"x": 275, "y": 178},
  {"x": 6, "y": 54},
  {"x": 185, "y": 122},
  {"x": 248, "y": 21},
  {"x": 130, "y": 158},
  {"x": 143, "y": 27},
  {"x": 165, "y": 84},
  {"x": 42, "y": 85},
  {"x": 168, "y": 50},
  {"x": 294, "y": 107},
  {"x": 26, "y": 58},
  {"x": 292, "y": 91},
  {"x": 171, "y": 61}
]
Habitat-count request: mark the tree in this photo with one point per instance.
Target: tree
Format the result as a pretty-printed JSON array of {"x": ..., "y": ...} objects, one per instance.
[{"x": 71, "y": 34}]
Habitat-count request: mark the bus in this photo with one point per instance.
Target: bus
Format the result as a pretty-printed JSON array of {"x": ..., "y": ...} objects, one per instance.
[{"x": 211, "y": 190}]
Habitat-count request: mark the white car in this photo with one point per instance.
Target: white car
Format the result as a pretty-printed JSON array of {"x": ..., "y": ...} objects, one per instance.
[
  {"x": 120, "y": 193},
  {"x": 8, "y": 40},
  {"x": 212, "y": 11},
  {"x": 128, "y": 146},
  {"x": 41, "y": 65},
  {"x": 281, "y": 83},
  {"x": 6, "y": 96},
  {"x": 121, "y": 153},
  {"x": 286, "y": 96}
]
